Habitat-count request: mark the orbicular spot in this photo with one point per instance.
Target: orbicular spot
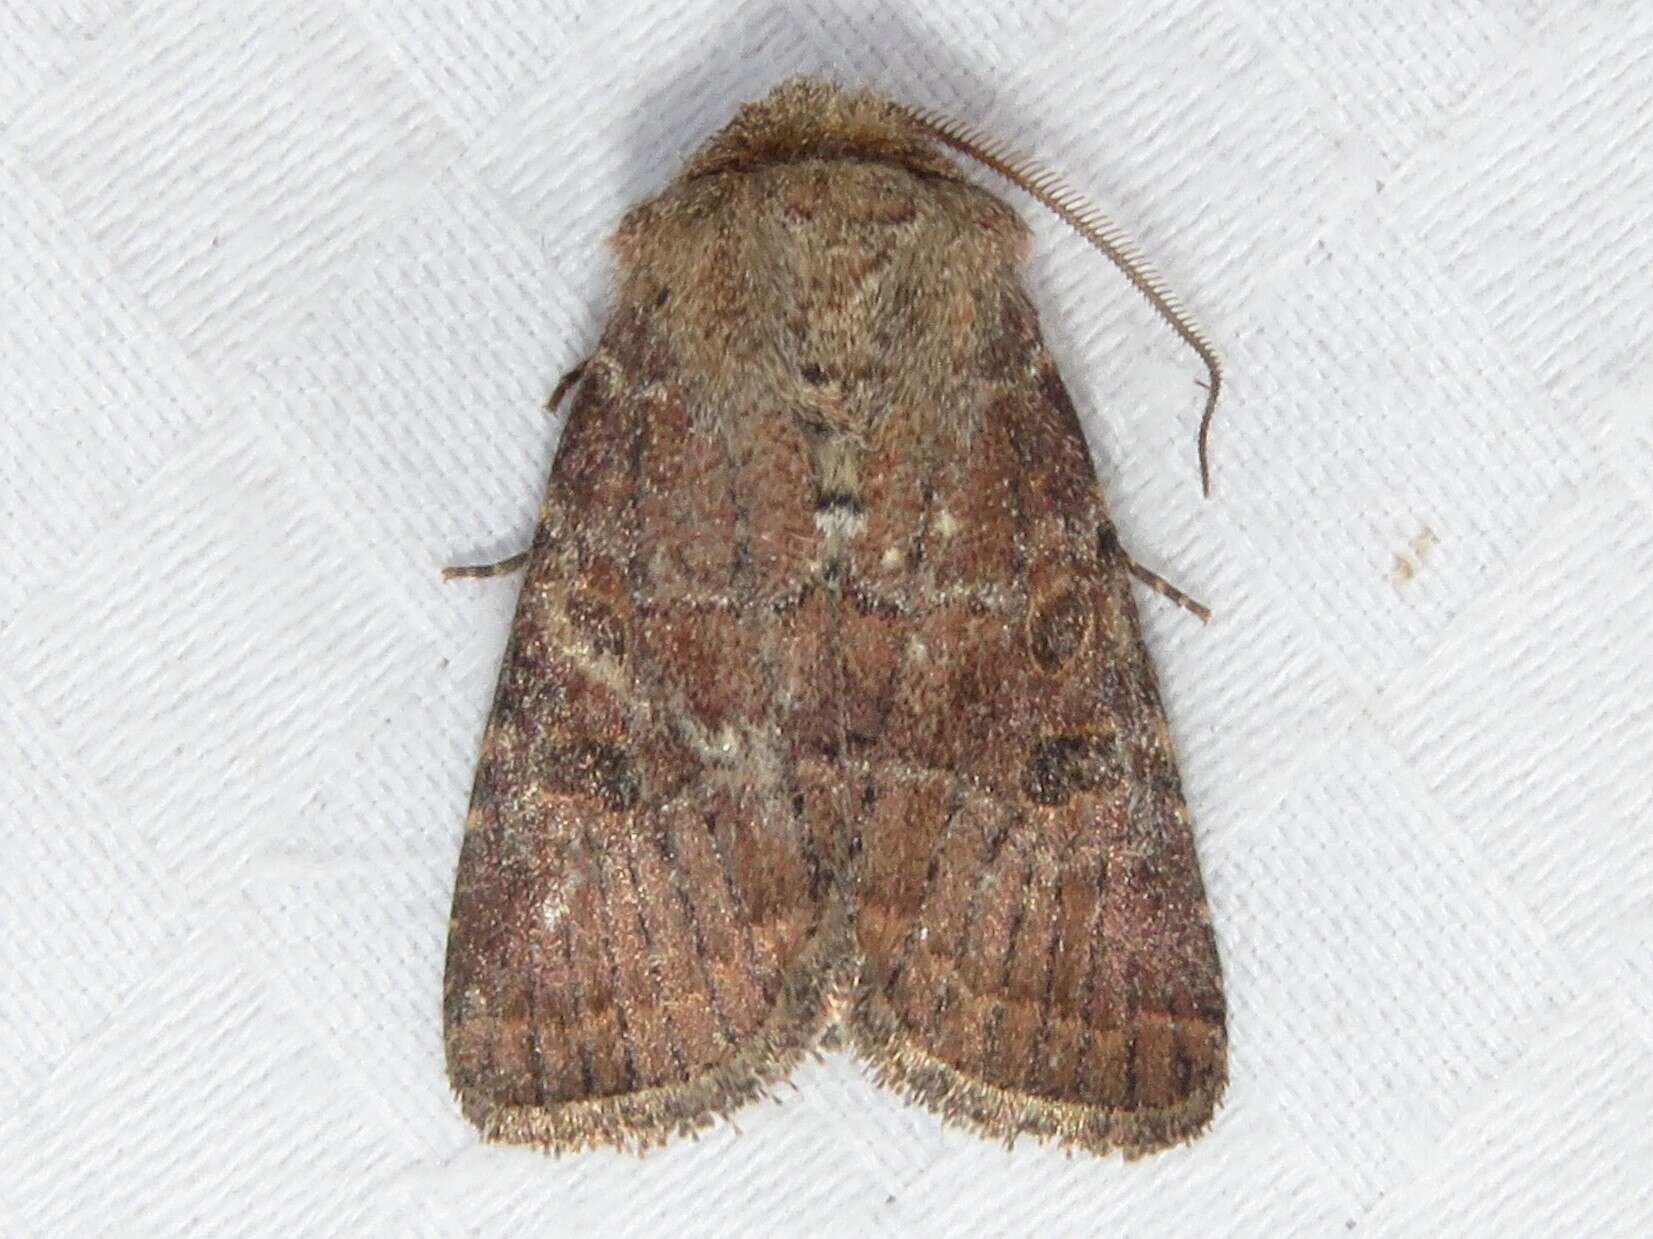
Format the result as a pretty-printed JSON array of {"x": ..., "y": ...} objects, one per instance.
[
  {"x": 595, "y": 621},
  {"x": 1058, "y": 766},
  {"x": 589, "y": 768},
  {"x": 1058, "y": 624}
]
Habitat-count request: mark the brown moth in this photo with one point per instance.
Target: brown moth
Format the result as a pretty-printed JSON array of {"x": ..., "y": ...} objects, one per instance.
[{"x": 825, "y": 710}]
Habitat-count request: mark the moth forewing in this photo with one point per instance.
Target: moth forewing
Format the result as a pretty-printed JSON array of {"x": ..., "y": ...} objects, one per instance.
[{"x": 825, "y": 699}]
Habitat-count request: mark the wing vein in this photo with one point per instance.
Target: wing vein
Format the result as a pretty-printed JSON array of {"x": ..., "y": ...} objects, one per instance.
[
  {"x": 663, "y": 1010},
  {"x": 606, "y": 914},
  {"x": 691, "y": 918}
]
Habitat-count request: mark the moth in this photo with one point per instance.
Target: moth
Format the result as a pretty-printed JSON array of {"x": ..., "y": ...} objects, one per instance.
[{"x": 825, "y": 712}]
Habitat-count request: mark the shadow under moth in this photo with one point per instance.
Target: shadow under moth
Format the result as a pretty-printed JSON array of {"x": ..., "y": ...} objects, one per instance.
[{"x": 825, "y": 714}]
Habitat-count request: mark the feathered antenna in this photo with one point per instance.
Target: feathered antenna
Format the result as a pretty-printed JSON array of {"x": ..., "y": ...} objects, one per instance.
[{"x": 1064, "y": 202}]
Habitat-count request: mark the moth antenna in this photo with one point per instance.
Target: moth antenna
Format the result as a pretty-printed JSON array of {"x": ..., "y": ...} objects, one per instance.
[{"x": 1068, "y": 205}]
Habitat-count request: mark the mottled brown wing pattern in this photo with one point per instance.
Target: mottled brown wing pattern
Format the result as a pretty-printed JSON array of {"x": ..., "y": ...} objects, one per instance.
[
  {"x": 825, "y": 695},
  {"x": 637, "y": 804},
  {"x": 1037, "y": 953}
]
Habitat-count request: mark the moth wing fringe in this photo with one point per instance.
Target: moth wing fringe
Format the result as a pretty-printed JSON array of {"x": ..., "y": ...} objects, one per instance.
[
  {"x": 897, "y": 1062},
  {"x": 645, "y": 1119}
]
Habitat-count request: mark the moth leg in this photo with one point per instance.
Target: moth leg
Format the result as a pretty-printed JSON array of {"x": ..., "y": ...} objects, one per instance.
[
  {"x": 565, "y": 385},
  {"x": 1152, "y": 579},
  {"x": 509, "y": 565},
  {"x": 503, "y": 568},
  {"x": 1164, "y": 588}
]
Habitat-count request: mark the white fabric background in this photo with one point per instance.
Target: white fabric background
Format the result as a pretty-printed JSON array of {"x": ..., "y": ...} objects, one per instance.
[{"x": 284, "y": 287}]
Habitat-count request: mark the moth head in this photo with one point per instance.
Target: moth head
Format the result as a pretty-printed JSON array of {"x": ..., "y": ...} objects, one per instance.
[{"x": 808, "y": 118}]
